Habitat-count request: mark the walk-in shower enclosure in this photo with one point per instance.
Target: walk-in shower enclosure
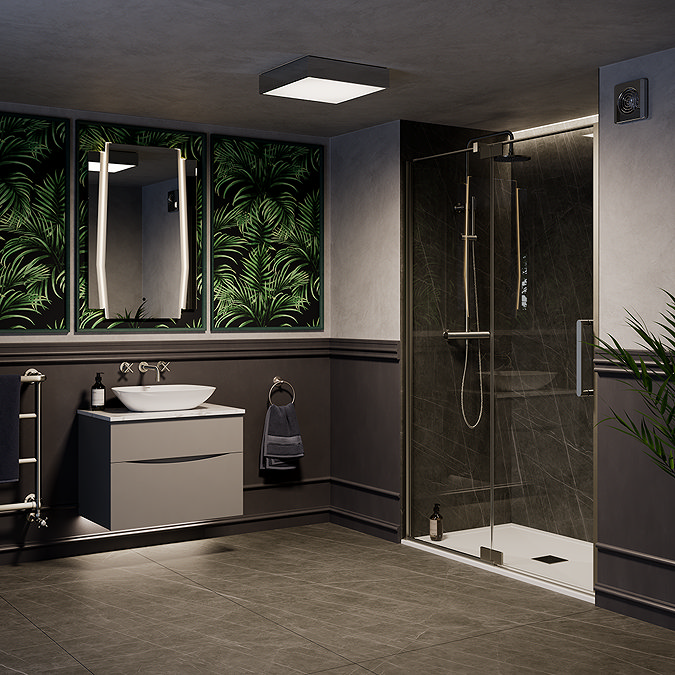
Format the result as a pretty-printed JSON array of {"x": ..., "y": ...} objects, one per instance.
[{"x": 499, "y": 271}]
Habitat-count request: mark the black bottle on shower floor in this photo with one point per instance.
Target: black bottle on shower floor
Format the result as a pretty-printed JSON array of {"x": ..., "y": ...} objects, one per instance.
[
  {"x": 436, "y": 524},
  {"x": 98, "y": 394}
]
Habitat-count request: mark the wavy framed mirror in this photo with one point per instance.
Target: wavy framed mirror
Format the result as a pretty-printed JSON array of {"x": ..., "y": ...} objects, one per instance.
[{"x": 140, "y": 196}]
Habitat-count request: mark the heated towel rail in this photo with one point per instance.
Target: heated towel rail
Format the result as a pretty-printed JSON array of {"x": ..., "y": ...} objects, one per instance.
[{"x": 33, "y": 501}]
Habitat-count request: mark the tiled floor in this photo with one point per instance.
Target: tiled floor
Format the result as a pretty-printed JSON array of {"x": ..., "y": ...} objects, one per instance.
[{"x": 313, "y": 599}]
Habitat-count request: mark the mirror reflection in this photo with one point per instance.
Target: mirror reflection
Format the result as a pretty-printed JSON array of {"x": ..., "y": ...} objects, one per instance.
[{"x": 142, "y": 215}]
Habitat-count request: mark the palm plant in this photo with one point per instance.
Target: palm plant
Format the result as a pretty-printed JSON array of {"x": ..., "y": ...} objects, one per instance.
[
  {"x": 654, "y": 381},
  {"x": 32, "y": 221},
  {"x": 130, "y": 320},
  {"x": 302, "y": 243},
  {"x": 87, "y": 317},
  {"x": 21, "y": 296},
  {"x": 261, "y": 295},
  {"x": 267, "y": 234},
  {"x": 40, "y": 236}
]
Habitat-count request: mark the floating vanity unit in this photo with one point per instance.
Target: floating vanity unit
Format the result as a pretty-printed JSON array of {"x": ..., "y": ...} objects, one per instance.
[{"x": 147, "y": 469}]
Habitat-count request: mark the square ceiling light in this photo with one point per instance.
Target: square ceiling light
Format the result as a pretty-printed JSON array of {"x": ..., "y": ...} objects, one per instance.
[
  {"x": 313, "y": 78},
  {"x": 117, "y": 161}
]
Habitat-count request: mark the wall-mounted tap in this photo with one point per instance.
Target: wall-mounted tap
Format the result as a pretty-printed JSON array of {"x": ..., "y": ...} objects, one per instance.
[{"x": 160, "y": 367}]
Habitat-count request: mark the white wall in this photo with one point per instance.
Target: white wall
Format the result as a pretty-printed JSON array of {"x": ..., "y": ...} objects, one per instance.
[
  {"x": 365, "y": 231},
  {"x": 636, "y": 198}
]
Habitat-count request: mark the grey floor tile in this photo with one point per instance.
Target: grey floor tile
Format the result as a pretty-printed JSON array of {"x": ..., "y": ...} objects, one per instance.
[
  {"x": 40, "y": 658},
  {"x": 311, "y": 599},
  {"x": 352, "y": 669},
  {"x": 532, "y": 650},
  {"x": 432, "y": 662},
  {"x": 626, "y": 644}
]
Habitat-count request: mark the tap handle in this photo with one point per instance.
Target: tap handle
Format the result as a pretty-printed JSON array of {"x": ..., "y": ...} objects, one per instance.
[
  {"x": 126, "y": 367},
  {"x": 163, "y": 366}
]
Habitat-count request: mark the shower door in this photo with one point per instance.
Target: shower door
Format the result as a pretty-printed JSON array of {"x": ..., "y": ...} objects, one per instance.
[
  {"x": 449, "y": 388},
  {"x": 497, "y": 434}
]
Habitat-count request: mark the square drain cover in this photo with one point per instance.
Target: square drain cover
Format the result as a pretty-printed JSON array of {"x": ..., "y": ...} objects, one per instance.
[{"x": 549, "y": 559}]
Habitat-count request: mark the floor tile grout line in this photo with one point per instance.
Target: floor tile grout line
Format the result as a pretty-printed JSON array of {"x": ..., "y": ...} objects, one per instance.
[
  {"x": 49, "y": 637},
  {"x": 233, "y": 599},
  {"x": 464, "y": 638},
  {"x": 541, "y": 621},
  {"x": 588, "y": 640},
  {"x": 251, "y": 611}
]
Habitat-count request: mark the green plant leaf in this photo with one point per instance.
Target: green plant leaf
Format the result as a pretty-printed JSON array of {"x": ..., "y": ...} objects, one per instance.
[{"x": 654, "y": 384}]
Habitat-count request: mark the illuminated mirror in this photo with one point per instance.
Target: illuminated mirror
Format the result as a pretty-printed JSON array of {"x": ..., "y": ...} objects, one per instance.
[{"x": 142, "y": 211}]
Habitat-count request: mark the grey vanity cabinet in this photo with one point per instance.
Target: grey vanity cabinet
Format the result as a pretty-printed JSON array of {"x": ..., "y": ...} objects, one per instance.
[{"x": 138, "y": 470}]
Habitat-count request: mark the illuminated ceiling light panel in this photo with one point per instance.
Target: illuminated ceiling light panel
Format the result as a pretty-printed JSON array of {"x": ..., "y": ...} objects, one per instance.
[
  {"x": 119, "y": 161},
  {"x": 313, "y": 78},
  {"x": 324, "y": 91},
  {"x": 112, "y": 168}
]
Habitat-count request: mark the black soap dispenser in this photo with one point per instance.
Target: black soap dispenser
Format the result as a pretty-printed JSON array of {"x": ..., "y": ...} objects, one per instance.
[
  {"x": 436, "y": 524},
  {"x": 98, "y": 394}
]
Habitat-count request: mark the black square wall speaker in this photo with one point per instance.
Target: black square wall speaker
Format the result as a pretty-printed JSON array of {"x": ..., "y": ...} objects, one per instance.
[{"x": 630, "y": 101}]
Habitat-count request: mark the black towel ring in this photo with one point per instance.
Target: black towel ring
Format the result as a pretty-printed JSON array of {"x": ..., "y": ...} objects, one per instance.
[{"x": 278, "y": 382}]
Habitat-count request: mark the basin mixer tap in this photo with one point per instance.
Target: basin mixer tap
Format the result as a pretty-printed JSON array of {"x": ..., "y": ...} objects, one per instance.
[{"x": 160, "y": 367}]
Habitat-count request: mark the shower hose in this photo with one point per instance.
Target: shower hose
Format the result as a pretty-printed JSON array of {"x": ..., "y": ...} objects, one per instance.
[{"x": 466, "y": 349}]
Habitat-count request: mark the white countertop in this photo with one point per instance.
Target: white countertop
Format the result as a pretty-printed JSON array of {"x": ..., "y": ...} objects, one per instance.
[{"x": 124, "y": 415}]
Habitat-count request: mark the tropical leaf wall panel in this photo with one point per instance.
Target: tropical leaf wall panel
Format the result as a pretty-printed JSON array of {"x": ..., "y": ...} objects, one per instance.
[
  {"x": 267, "y": 234},
  {"x": 33, "y": 223},
  {"x": 93, "y": 137}
]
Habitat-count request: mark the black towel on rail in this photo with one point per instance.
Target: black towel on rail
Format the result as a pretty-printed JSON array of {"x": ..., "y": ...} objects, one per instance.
[
  {"x": 10, "y": 388},
  {"x": 281, "y": 443}
]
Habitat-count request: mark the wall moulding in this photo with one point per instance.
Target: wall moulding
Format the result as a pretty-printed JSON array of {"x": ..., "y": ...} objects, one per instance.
[
  {"x": 603, "y": 367},
  {"x": 94, "y": 352}
]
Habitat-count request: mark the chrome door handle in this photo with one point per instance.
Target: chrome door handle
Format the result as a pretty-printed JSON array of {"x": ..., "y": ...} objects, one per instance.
[
  {"x": 466, "y": 335},
  {"x": 580, "y": 388}
]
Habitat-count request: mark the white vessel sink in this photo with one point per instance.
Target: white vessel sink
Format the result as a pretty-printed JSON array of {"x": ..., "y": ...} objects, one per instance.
[{"x": 154, "y": 397}]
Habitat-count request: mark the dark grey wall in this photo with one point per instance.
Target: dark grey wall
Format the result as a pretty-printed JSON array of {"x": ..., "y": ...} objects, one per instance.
[
  {"x": 635, "y": 549},
  {"x": 635, "y": 546},
  {"x": 366, "y": 439},
  {"x": 242, "y": 371}
]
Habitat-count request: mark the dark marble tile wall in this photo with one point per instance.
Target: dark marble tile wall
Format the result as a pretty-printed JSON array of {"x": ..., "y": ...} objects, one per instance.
[
  {"x": 543, "y": 438},
  {"x": 450, "y": 461},
  {"x": 551, "y": 430}
]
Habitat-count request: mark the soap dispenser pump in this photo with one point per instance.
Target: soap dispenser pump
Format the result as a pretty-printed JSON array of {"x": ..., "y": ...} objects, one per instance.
[{"x": 98, "y": 394}]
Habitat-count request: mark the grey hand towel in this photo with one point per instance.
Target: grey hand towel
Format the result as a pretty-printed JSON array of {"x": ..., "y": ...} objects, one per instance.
[
  {"x": 10, "y": 387},
  {"x": 281, "y": 443}
]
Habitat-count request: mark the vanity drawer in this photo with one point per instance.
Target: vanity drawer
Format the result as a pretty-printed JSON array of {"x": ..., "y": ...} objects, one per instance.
[
  {"x": 158, "y": 439},
  {"x": 160, "y": 472},
  {"x": 163, "y": 492}
]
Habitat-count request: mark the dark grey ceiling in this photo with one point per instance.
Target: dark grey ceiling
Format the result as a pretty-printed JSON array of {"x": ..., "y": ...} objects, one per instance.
[{"x": 477, "y": 63}]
